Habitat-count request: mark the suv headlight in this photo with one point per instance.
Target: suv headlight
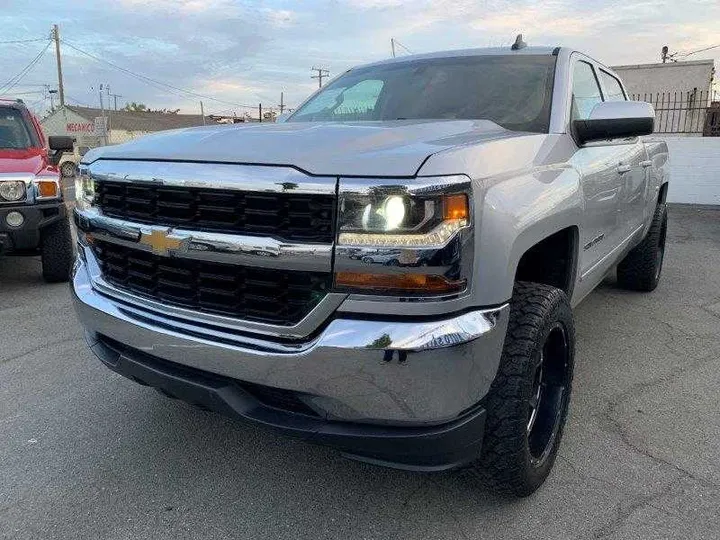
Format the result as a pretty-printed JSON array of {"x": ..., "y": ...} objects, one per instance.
[
  {"x": 403, "y": 239},
  {"x": 12, "y": 190},
  {"x": 84, "y": 190}
]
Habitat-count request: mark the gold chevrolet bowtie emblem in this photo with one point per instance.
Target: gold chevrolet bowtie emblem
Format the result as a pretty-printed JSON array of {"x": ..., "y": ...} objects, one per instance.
[{"x": 160, "y": 242}]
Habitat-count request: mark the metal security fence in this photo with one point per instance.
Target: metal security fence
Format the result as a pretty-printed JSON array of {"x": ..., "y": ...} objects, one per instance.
[
  {"x": 678, "y": 112},
  {"x": 712, "y": 122}
]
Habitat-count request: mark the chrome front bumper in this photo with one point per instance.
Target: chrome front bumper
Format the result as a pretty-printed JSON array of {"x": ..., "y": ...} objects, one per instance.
[{"x": 387, "y": 372}]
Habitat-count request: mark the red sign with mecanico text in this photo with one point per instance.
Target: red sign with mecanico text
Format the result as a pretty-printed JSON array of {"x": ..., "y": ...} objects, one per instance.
[{"x": 80, "y": 127}]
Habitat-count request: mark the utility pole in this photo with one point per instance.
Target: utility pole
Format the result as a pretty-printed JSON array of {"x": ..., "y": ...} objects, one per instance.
[
  {"x": 282, "y": 103},
  {"x": 392, "y": 45},
  {"x": 260, "y": 111},
  {"x": 108, "y": 122},
  {"x": 322, "y": 72},
  {"x": 51, "y": 93},
  {"x": 102, "y": 114},
  {"x": 115, "y": 96},
  {"x": 56, "y": 37},
  {"x": 202, "y": 112}
]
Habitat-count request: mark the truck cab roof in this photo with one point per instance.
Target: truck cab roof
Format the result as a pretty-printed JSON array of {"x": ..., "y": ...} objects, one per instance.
[{"x": 457, "y": 53}]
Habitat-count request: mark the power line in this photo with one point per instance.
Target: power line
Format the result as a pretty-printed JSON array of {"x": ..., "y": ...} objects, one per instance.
[
  {"x": 81, "y": 103},
  {"x": 35, "y": 104},
  {"x": 21, "y": 41},
  {"x": 6, "y": 87},
  {"x": 154, "y": 82},
  {"x": 396, "y": 42},
  {"x": 34, "y": 92},
  {"x": 684, "y": 55}
]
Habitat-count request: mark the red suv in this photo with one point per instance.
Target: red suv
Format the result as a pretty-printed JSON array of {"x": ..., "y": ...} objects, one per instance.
[{"x": 33, "y": 216}]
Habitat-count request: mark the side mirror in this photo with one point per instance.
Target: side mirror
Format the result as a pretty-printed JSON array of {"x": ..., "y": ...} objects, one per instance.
[
  {"x": 615, "y": 119},
  {"x": 61, "y": 143},
  {"x": 280, "y": 118}
]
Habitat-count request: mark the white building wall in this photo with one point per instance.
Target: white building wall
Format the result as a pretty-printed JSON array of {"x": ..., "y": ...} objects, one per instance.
[
  {"x": 67, "y": 122},
  {"x": 694, "y": 170},
  {"x": 670, "y": 77},
  {"x": 119, "y": 136}
]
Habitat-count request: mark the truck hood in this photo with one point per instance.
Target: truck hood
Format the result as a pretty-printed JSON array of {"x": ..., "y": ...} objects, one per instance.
[
  {"x": 28, "y": 161},
  {"x": 396, "y": 148}
]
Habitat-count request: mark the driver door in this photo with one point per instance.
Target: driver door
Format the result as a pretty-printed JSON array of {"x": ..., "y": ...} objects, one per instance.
[{"x": 602, "y": 226}]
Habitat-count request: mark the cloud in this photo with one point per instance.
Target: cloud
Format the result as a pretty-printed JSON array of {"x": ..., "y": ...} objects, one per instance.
[
  {"x": 180, "y": 6},
  {"x": 366, "y": 5},
  {"x": 280, "y": 18},
  {"x": 248, "y": 51}
]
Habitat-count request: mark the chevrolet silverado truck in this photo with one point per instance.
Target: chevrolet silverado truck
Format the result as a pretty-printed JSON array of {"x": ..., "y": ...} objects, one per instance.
[
  {"x": 33, "y": 216},
  {"x": 391, "y": 271}
]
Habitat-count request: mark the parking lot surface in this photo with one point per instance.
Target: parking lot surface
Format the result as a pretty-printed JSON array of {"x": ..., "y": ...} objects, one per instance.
[{"x": 85, "y": 453}]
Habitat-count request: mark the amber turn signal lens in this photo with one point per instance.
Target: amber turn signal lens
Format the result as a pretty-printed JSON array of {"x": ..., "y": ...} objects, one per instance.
[
  {"x": 398, "y": 282},
  {"x": 456, "y": 207},
  {"x": 47, "y": 189}
]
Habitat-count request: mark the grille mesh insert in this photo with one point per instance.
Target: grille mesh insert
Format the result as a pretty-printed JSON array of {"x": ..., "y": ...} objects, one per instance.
[
  {"x": 257, "y": 294},
  {"x": 297, "y": 217}
]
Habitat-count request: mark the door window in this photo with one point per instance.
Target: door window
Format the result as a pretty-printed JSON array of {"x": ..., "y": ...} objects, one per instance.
[
  {"x": 613, "y": 88},
  {"x": 585, "y": 91}
]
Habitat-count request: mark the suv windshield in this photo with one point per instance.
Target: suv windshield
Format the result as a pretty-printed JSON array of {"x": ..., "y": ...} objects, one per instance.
[
  {"x": 14, "y": 132},
  {"x": 512, "y": 91}
]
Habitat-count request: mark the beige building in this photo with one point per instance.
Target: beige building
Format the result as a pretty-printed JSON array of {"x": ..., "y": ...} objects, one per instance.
[
  {"x": 87, "y": 124},
  {"x": 679, "y": 91},
  {"x": 680, "y": 77}
]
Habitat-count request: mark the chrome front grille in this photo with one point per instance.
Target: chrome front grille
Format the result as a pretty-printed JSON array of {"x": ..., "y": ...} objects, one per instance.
[
  {"x": 212, "y": 242},
  {"x": 278, "y": 297},
  {"x": 290, "y": 216}
]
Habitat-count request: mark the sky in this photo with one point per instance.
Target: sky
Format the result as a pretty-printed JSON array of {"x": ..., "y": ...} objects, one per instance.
[{"x": 236, "y": 54}]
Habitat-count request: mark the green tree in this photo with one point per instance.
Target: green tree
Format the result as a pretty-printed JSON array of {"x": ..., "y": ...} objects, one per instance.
[
  {"x": 381, "y": 342},
  {"x": 135, "y": 107}
]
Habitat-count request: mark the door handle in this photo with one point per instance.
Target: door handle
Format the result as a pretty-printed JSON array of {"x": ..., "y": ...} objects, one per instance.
[
  {"x": 622, "y": 168},
  {"x": 647, "y": 163}
]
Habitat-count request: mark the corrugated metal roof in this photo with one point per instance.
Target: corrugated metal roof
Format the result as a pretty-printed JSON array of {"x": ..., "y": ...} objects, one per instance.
[{"x": 142, "y": 121}]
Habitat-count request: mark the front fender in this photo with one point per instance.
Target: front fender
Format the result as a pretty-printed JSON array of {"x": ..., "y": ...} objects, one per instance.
[{"x": 518, "y": 212}]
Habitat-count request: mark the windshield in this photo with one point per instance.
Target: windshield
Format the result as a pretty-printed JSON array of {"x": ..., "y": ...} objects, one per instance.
[
  {"x": 14, "y": 132},
  {"x": 512, "y": 91}
]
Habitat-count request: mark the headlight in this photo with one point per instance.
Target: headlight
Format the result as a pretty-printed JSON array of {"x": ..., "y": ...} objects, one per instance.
[
  {"x": 12, "y": 191},
  {"x": 386, "y": 217},
  {"x": 84, "y": 190},
  {"x": 404, "y": 240}
]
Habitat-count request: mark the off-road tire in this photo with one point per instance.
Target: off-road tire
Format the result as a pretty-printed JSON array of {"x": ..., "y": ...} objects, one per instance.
[
  {"x": 506, "y": 463},
  {"x": 641, "y": 268},
  {"x": 68, "y": 169},
  {"x": 56, "y": 251}
]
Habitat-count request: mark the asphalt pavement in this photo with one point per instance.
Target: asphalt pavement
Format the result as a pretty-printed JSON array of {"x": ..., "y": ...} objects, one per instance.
[{"x": 85, "y": 453}]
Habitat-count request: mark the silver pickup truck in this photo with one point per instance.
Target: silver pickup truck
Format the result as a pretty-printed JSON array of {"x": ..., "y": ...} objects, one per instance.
[{"x": 391, "y": 270}]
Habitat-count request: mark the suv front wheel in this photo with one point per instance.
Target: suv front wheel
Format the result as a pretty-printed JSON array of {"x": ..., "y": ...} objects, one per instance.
[
  {"x": 68, "y": 169},
  {"x": 528, "y": 401},
  {"x": 56, "y": 251}
]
